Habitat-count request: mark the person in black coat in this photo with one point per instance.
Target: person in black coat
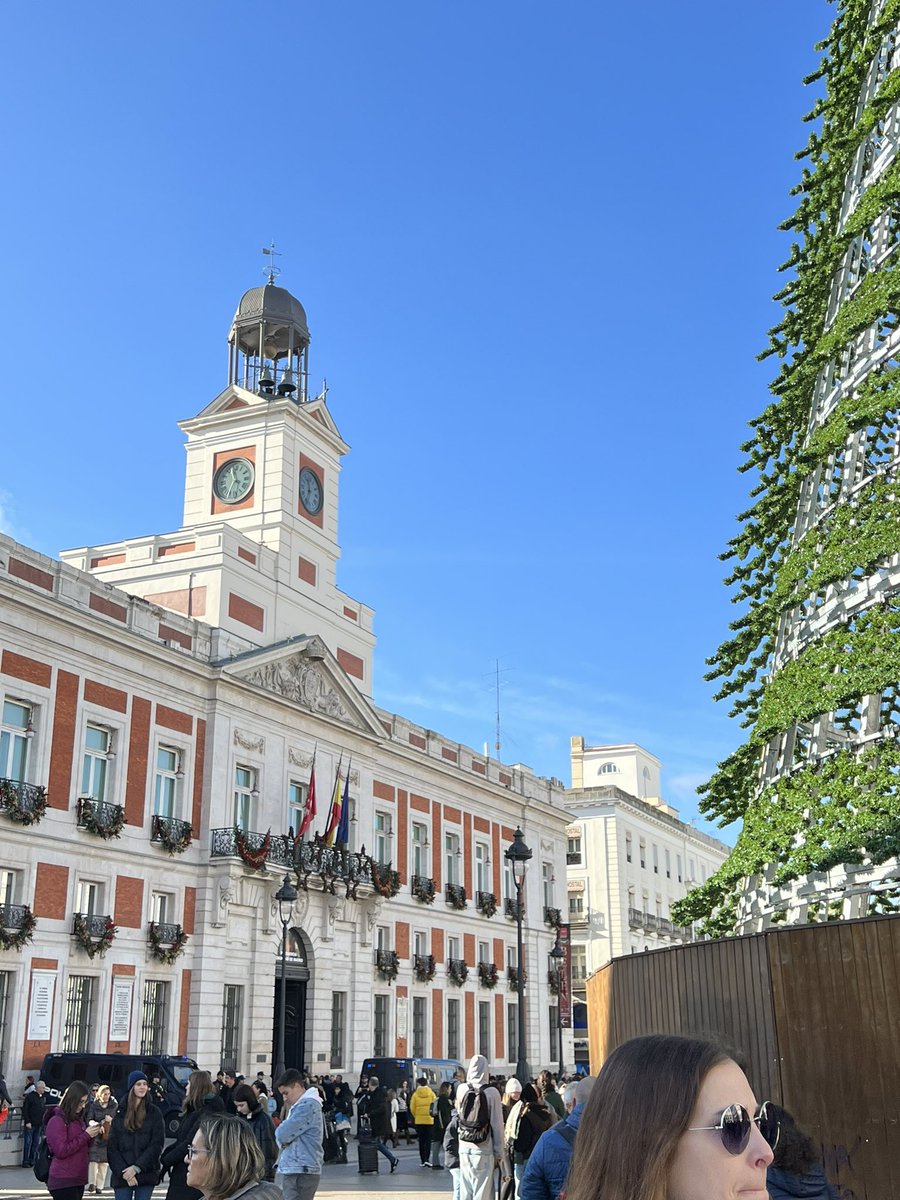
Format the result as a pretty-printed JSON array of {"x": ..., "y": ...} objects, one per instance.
[
  {"x": 200, "y": 1101},
  {"x": 374, "y": 1106},
  {"x": 32, "y": 1120},
  {"x": 136, "y": 1139},
  {"x": 247, "y": 1104},
  {"x": 797, "y": 1168},
  {"x": 339, "y": 1107}
]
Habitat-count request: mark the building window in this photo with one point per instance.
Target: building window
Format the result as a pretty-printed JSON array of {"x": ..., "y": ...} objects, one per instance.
[
  {"x": 482, "y": 862},
  {"x": 628, "y": 848},
  {"x": 643, "y": 850},
  {"x": 232, "y": 1016},
  {"x": 512, "y": 1033},
  {"x": 484, "y": 952},
  {"x": 9, "y": 888},
  {"x": 419, "y": 850},
  {"x": 645, "y": 775},
  {"x": 79, "y": 1022},
  {"x": 165, "y": 781},
  {"x": 547, "y": 880},
  {"x": 573, "y": 851},
  {"x": 484, "y": 1029},
  {"x": 678, "y": 862},
  {"x": 453, "y": 1029},
  {"x": 608, "y": 769},
  {"x": 382, "y": 938},
  {"x": 161, "y": 909},
  {"x": 89, "y": 898},
  {"x": 94, "y": 762},
  {"x": 692, "y": 871},
  {"x": 245, "y": 790},
  {"x": 655, "y": 859},
  {"x": 576, "y": 906},
  {"x": 452, "y": 947},
  {"x": 14, "y": 738},
  {"x": 154, "y": 1012},
  {"x": 509, "y": 883},
  {"x": 380, "y": 1047},
  {"x": 419, "y": 1038},
  {"x": 579, "y": 962},
  {"x": 297, "y": 793},
  {"x": 452, "y": 856},
  {"x": 668, "y": 864},
  {"x": 382, "y": 853},
  {"x": 338, "y": 1026},
  {"x": 420, "y": 942}
]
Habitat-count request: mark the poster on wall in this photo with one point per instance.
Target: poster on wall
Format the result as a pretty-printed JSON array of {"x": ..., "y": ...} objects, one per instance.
[
  {"x": 565, "y": 979},
  {"x": 120, "y": 1010},
  {"x": 40, "y": 1012}
]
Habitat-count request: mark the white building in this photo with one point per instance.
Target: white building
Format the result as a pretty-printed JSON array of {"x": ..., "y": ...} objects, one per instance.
[
  {"x": 629, "y": 858},
  {"x": 165, "y": 698}
]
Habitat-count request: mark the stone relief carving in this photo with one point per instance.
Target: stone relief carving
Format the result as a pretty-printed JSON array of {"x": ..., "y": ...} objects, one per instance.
[
  {"x": 304, "y": 682},
  {"x": 548, "y": 845},
  {"x": 372, "y": 913},
  {"x": 299, "y": 759},
  {"x": 247, "y": 742}
]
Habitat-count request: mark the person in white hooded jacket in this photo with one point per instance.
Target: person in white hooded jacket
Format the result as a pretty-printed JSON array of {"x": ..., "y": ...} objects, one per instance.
[{"x": 478, "y": 1159}]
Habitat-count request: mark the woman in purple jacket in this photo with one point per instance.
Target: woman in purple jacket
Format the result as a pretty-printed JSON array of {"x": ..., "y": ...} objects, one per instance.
[{"x": 69, "y": 1139}]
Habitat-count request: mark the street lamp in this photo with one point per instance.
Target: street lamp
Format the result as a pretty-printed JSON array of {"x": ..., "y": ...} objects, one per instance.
[
  {"x": 286, "y": 895},
  {"x": 518, "y": 854},
  {"x": 558, "y": 954}
]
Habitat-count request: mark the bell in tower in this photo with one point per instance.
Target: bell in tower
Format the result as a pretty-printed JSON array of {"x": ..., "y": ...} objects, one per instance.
[{"x": 268, "y": 346}]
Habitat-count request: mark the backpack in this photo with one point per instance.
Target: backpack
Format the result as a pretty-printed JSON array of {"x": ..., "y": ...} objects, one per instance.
[
  {"x": 474, "y": 1117},
  {"x": 42, "y": 1158}
]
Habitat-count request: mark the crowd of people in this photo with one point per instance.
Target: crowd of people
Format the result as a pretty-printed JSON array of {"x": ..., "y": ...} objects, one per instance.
[{"x": 667, "y": 1118}]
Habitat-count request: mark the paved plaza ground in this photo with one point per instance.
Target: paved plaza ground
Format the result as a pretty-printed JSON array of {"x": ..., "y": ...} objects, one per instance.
[{"x": 409, "y": 1179}]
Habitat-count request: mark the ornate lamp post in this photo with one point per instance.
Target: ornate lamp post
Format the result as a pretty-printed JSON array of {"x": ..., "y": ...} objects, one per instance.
[
  {"x": 518, "y": 854},
  {"x": 558, "y": 955},
  {"x": 286, "y": 895}
]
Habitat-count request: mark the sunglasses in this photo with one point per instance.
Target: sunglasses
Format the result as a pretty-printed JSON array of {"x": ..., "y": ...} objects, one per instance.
[{"x": 736, "y": 1125}]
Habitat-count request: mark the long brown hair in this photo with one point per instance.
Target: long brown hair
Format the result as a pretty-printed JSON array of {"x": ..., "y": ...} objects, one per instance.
[
  {"x": 639, "y": 1108},
  {"x": 200, "y": 1085},
  {"x": 72, "y": 1098},
  {"x": 136, "y": 1111}
]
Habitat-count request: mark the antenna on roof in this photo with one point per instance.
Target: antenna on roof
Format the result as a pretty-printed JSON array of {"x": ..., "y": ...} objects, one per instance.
[{"x": 272, "y": 270}]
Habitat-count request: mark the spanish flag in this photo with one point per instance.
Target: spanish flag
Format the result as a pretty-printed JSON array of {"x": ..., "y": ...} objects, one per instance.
[{"x": 334, "y": 813}]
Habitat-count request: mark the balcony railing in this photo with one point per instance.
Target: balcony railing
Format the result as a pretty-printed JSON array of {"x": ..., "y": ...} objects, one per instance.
[
  {"x": 167, "y": 941},
  {"x": 486, "y": 903},
  {"x": 457, "y": 970},
  {"x": 422, "y": 888},
  {"x": 172, "y": 834},
  {"x": 511, "y": 908},
  {"x": 17, "y": 924},
  {"x": 487, "y": 974},
  {"x": 100, "y": 818},
  {"x": 552, "y": 916},
  {"x": 455, "y": 895},
  {"x": 424, "y": 967},
  {"x": 635, "y": 918},
  {"x": 95, "y": 924},
  {"x": 512, "y": 976},
  {"x": 167, "y": 934},
  {"x": 24, "y": 803},
  {"x": 306, "y": 857},
  {"x": 387, "y": 964}
]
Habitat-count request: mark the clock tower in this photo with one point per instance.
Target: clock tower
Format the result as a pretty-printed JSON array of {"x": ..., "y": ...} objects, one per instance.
[{"x": 257, "y": 551}]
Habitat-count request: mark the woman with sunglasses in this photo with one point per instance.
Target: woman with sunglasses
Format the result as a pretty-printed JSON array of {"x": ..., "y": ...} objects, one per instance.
[
  {"x": 671, "y": 1118},
  {"x": 224, "y": 1161}
]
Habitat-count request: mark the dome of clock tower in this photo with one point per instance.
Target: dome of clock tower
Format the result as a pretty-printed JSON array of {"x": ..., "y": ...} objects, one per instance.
[{"x": 278, "y": 310}]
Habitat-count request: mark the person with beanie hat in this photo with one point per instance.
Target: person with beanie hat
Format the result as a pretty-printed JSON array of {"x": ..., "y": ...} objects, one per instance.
[{"x": 136, "y": 1139}]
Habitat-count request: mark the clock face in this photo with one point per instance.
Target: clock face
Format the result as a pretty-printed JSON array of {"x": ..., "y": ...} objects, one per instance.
[
  {"x": 233, "y": 481},
  {"x": 310, "y": 491}
]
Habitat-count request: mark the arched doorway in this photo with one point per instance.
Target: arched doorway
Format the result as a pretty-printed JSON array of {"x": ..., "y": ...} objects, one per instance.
[{"x": 297, "y": 977}]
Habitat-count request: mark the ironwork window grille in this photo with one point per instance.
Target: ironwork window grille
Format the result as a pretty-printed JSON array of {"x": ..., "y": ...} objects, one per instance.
[
  {"x": 93, "y": 763},
  {"x": 232, "y": 1015},
  {"x": 165, "y": 782},
  {"x": 79, "y": 1022},
  {"x": 453, "y": 1029},
  {"x": 418, "y": 1027},
  {"x": 512, "y": 1032},
  {"x": 154, "y": 1016},
  {"x": 484, "y": 1029},
  {"x": 17, "y": 719},
  {"x": 6, "y": 986},
  {"x": 380, "y": 1046},
  {"x": 338, "y": 1026}
]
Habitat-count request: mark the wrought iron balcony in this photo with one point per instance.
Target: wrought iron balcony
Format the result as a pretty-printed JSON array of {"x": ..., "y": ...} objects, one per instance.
[
  {"x": 24, "y": 803},
  {"x": 552, "y": 917},
  {"x": 306, "y": 857},
  {"x": 422, "y": 888},
  {"x": 486, "y": 903},
  {"x": 424, "y": 967},
  {"x": 512, "y": 975},
  {"x": 455, "y": 895},
  {"x": 99, "y": 817},
  {"x": 487, "y": 974},
  {"x": 94, "y": 925},
  {"x": 511, "y": 908},
  {"x": 14, "y": 916},
  {"x": 387, "y": 964},
  {"x": 169, "y": 832},
  {"x": 457, "y": 970},
  {"x": 166, "y": 934}
]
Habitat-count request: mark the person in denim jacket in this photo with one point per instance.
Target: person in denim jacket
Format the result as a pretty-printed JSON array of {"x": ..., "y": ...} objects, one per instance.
[{"x": 299, "y": 1137}]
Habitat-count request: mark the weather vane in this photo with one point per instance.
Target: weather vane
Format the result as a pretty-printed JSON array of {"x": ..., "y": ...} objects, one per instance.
[{"x": 272, "y": 270}]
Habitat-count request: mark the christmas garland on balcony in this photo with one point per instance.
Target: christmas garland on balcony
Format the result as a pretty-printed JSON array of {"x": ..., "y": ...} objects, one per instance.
[
  {"x": 94, "y": 946},
  {"x": 174, "y": 843},
  {"x": 15, "y": 939},
  {"x": 423, "y": 889},
  {"x": 425, "y": 969},
  {"x": 487, "y": 974},
  {"x": 486, "y": 903},
  {"x": 11, "y": 803},
  {"x": 256, "y": 859},
  {"x": 458, "y": 971},
  {"x": 385, "y": 881},
  {"x": 455, "y": 896},
  {"x": 387, "y": 965},
  {"x": 88, "y": 818},
  {"x": 166, "y": 952}
]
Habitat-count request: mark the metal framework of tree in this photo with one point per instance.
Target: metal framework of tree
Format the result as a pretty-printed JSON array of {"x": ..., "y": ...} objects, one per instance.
[{"x": 813, "y": 663}]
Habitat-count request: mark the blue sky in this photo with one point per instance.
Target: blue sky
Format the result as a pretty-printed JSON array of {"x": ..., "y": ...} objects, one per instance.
[{"x": 536, "y": 245}]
